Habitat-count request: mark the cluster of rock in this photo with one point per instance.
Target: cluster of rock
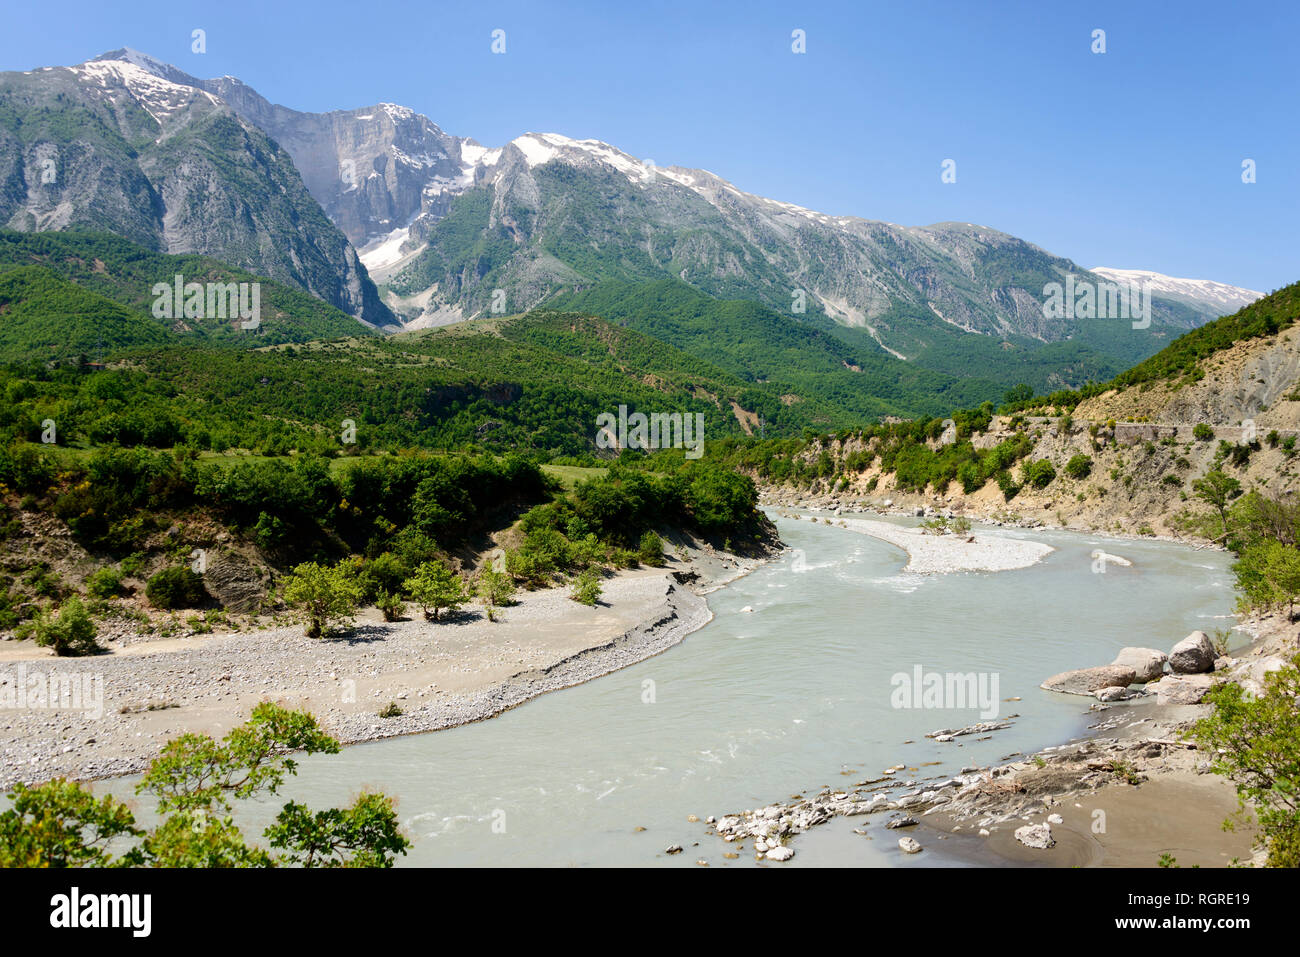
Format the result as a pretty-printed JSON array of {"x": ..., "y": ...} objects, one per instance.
[
  {"x": 1194, "y": 667},
  {"x": 1190, "y": 663},
  {"x": 772, "y": 827}
]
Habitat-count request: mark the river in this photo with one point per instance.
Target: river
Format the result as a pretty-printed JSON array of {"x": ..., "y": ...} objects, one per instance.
[{"x": 786, "y": 698}]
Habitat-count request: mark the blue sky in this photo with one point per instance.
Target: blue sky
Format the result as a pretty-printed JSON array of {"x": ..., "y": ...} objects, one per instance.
[{"x": 1131, "y": 158}]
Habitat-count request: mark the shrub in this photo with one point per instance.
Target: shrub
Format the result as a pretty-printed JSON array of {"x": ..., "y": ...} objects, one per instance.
[
  {"x": 70, "y": 633},
  {"x": 1255, "y": 743},
  {"x": 391, "y": 605},
  {"x": 496, "y": 588},
  {"x": 176, "y": 587},
  {"x": 434, "y": 586},
  {"x": 1039, "y": 474},
  {"x": 105, "y": 583},
  {"x": 384, "y": 573},
  {"x": 1202, "y": 432},
  {"x": 1008, "y": 485},
  {"x": 651, "y": 550},
  {"x": 324, "y": 595},
  {"x": 586, "y": 587},
  {"x": 1079, "y": 466}
]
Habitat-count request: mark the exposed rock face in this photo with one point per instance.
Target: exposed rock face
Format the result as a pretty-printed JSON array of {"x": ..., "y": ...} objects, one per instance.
[
  {"x": 234, "y": 581},
  {"x": 1182, "y": 689},
  {"x": 131, "y": 146},
  {"x": 1148, "y": 663},
  {"x": 1085, "y": 681},
  {"x": 375, "y": 169},
  {"x": 1193, "y": 655}
]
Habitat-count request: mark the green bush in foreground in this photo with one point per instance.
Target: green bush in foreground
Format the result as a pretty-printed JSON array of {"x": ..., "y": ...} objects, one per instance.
[
  {"x": 650, "y": 551},
  {"x": 105, "y": 583},
  {"x": 496, "y": 588},
  {"x": 1256, "y": 744},
  {"x": 1079, "y": 466},
  {"x": 194, "y": 780},
  {"x": 1039, "y": 474}
]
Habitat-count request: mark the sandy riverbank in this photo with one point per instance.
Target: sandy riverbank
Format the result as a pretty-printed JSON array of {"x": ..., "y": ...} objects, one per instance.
[{"x": 440, "y": 674}]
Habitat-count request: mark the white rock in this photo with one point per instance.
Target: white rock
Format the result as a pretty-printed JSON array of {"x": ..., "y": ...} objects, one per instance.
[
  {"x": 909, "y": 846},
  {"x": 780, "y": 853},
  {"x": 1037, "y": 836}
]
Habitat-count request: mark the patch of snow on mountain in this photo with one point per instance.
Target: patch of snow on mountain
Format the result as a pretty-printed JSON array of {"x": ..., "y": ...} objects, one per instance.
[
  {"x": 536, "y": 150},
  {"x": 1218, "y": 294},
  {"x": 475, "y": 155},
  {"x": 385, "y": 250},
  {"x": 158, "y": 97}
]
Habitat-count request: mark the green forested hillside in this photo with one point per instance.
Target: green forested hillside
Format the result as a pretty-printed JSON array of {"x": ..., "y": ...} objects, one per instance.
[
  {"x": 125, "y": 273},
  {"x": 761, "y": 346},
  {"x": 536, "y": 383},
  {"x": 45, "y": 317}
]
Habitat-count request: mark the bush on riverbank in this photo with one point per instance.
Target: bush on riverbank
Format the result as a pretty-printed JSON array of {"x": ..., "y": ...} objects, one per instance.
[
  {"x": 194, "y": 781},
  {"x": 1256, "y": 745}
]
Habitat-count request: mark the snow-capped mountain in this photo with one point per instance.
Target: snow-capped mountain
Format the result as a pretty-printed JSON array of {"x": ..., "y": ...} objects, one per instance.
[
  {"x": 126, "y": 144},
  {"x": 454, "y": 229},
  {"x": 1219, "y": 298}
]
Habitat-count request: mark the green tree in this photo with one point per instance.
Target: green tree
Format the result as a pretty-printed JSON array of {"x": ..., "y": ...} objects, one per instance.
[
  {"x": 586, "y": 587},
  {"x": 324, "y": 595},
  {"x": 1268, "y": 576},
  {"x": 177, "y": 586},
  {"x": 72, "y": 632},
  {"x": 1079, "y": 466},
  {"x": 651, "y": 550},
  {"x": 434, "y": 586},
  {"x": 1255, "y": 743},
  {"x": 496, "y": 588},
  {"x": 195, "y": 781},
  {"x": 1217, "y": 490}
]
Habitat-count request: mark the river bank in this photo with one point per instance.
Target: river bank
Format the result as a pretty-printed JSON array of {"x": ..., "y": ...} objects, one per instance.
[
  {"x": 129, "y": 701},
  {"x": 1127, "y": 793}
]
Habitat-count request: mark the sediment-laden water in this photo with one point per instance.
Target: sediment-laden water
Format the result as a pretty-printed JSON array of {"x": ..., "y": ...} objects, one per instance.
[{"x": 790, "y": 696}]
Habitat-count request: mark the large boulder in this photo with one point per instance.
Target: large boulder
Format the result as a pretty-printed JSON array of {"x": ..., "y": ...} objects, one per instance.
[
  {"x": 1182, "y": 689},
  {"x": 1194, "y": 655},
  {"x": 1147, "y": 662},
  {"x": 1087, "y": 680},
  {"x": 1037, "y": 836}
]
